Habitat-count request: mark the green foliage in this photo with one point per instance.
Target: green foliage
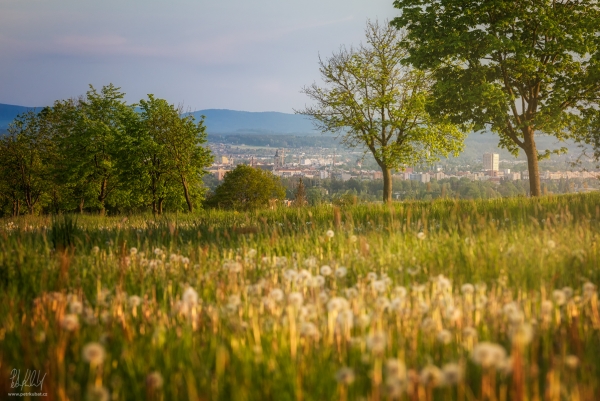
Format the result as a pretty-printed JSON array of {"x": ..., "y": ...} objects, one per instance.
[
  {"x": 247, "y": 188},
  {"x": 372, "y": 100},
  {"x": 97, "y": 153},
  {"x": 517, "y": 68}
]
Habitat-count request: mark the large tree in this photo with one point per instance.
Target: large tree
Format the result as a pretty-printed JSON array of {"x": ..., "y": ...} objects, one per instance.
[
  {"x": 164, "y": 156},
  {"x": 25, "y": 153},
  {"x": 370, "y": 99},
  {"x": 519, "y": 68}
]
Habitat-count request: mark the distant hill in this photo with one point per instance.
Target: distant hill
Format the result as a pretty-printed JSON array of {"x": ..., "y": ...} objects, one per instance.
[
  {"x": 220, "y": 121},
  {"x": 8, "y": 112}
]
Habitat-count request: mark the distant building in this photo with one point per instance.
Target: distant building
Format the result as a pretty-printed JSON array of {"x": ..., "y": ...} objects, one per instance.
[{"x": 491, "y": 161}]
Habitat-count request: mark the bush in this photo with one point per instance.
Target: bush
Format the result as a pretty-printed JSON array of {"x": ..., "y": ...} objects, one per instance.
[{"x": 246, "y": 188}]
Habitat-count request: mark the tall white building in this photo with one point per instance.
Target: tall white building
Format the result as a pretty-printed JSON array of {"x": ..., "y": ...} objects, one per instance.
[{"x": 491, "y": 161}]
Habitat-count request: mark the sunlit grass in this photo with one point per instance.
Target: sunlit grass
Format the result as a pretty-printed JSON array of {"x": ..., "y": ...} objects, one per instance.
[{"x": 419, "y": 301}]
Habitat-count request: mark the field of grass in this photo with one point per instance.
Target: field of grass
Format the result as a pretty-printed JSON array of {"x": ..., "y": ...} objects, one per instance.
[{"x": 489, "y": 300}]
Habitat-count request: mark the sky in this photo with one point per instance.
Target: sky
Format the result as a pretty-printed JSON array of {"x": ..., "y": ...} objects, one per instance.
[{"x": 251, "y": 55}]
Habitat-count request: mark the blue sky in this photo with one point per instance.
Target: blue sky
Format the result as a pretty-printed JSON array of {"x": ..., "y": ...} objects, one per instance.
[{"x": 252, "y": 55}]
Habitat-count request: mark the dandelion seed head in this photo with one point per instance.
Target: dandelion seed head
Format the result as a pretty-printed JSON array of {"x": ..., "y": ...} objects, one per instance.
[
  {"x": 154, "y": 380},
  {"x": 69, "y": 322},
  {"x": 345, "y": 376},
  {"x": 421, "y": 235},
  {"x": 330, "y": 233},
  {"x": 325, "y": 270},
  {"x": 93, "y": 353},
  {"x": 340, "y": 272},
  {"x": 96, "y": 393}
]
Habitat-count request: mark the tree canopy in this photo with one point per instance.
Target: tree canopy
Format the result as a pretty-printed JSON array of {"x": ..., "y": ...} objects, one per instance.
[
  {"x": 517, "y": 68},
  {"x": 247, "y": 188},
  {"x": 98, "y": 152},
  {"x": 370, "y": 99}
]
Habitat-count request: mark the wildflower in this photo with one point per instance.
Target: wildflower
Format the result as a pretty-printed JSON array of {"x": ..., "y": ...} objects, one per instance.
[
  {"x": 413, "y": 272},
  {"x": 376, "y": 343},
  {"x": 304, "y": 275},
  {"x": 551, "y": 244},
  {"x": 70, "y": 322},
  {"x": 345, "y": 376},
  {"x": 467, "y": 289},
  {"x": 154, "y": 380},
  {"x": 232, "y": 266},
  {"x": 75, "y": 307},
  {"x": 394, "y": 388},
  {"x": 444, "y": 337},
  {"x": 364, "y": 320},
  {"x": 93, "y": 353},
  {"x": 190, "y": 297},
  {"x": 133, "y": 251},
  {"x": 233, "y": 301},
  {"x": 559, "y": 297},
  {"x": 372, "y": 276},
  {"x": 353, "y": 238},
  {"x": 251, "y": 253},
  {"x": 317, "y": 281},
  {"x": 453, "y": 373},
  {"x": 310, "y": 262},
  {"x": 276, "y": 295},
  {"x": 378, "y": 286},
  {"x": 134, "y": 301},
  {"x": 296, "y": 299},
  {"x": 330, "y": 233},
  {"x": 488, "y": 354},
  {"x": 337, "y": 304},
  {"x": 571, "y": 362},
  {"x": 351, "y": 292},
  {"x": 400, "y": 292},
  {"x": 290, "y": 275},
  {"x": 395, "y": 368},
  {"x": 185, "y": 260},
  {"x": 469, "y": 333},
  {"x": 340, "y": 272},
  {"x": 568, "y": 292},
  {"x": 326, "y": 270},
  {"x": 97, "y": 394},
  {"x": 309, "y": 329},
  {"x": 431, "y": 375},
  {"x": 346, "y": 318},
  {"x": 588, "y": 289},
  {"x": 421, "y": 235},
  {"x": 546, "y": 308},
  {"x": 95, "y": 249},
  {"x": 158, "y": 251},
  {"x": 522, "y": 334}
]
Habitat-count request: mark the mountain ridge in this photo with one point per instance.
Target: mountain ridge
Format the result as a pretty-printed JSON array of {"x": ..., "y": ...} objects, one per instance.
[{"x": 218, "y": 121}]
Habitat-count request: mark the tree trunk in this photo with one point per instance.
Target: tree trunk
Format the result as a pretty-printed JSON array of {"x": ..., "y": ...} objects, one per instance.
[
  {"x": 160, "y": 205},
  {"x": 387, "y": 184},
  {"x": 186, "y": 192},
  {"x": 532, "y": 163},
  {"x": 102, "y": 196},
  {"x": 81, "y": 203},
  {"x": 16, "y": 207}
]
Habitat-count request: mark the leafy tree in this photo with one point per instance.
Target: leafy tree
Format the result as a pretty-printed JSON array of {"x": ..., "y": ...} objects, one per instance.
[
  {"x": 24, "y": 153},
  {"x": 163, "y": 157},
  {"x": 517, "y": 68},
  {"x": 370, "y": 99},
  {"x": 90, "y": 128},
  {"x": 246, "y": 188}
]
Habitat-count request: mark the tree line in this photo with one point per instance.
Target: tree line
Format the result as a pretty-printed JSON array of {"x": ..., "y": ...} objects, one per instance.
[{"x": 97, "y": 153}]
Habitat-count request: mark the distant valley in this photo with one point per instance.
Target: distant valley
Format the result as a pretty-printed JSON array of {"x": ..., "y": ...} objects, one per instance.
[{"x": 290, "y": 130}]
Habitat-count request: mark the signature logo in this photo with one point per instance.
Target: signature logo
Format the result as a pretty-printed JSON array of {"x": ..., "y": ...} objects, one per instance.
[{"x": 32, "y": 378}]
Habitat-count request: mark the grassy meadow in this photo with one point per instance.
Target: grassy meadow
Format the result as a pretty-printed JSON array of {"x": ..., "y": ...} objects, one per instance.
[{"x": 448, "y": 300}]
